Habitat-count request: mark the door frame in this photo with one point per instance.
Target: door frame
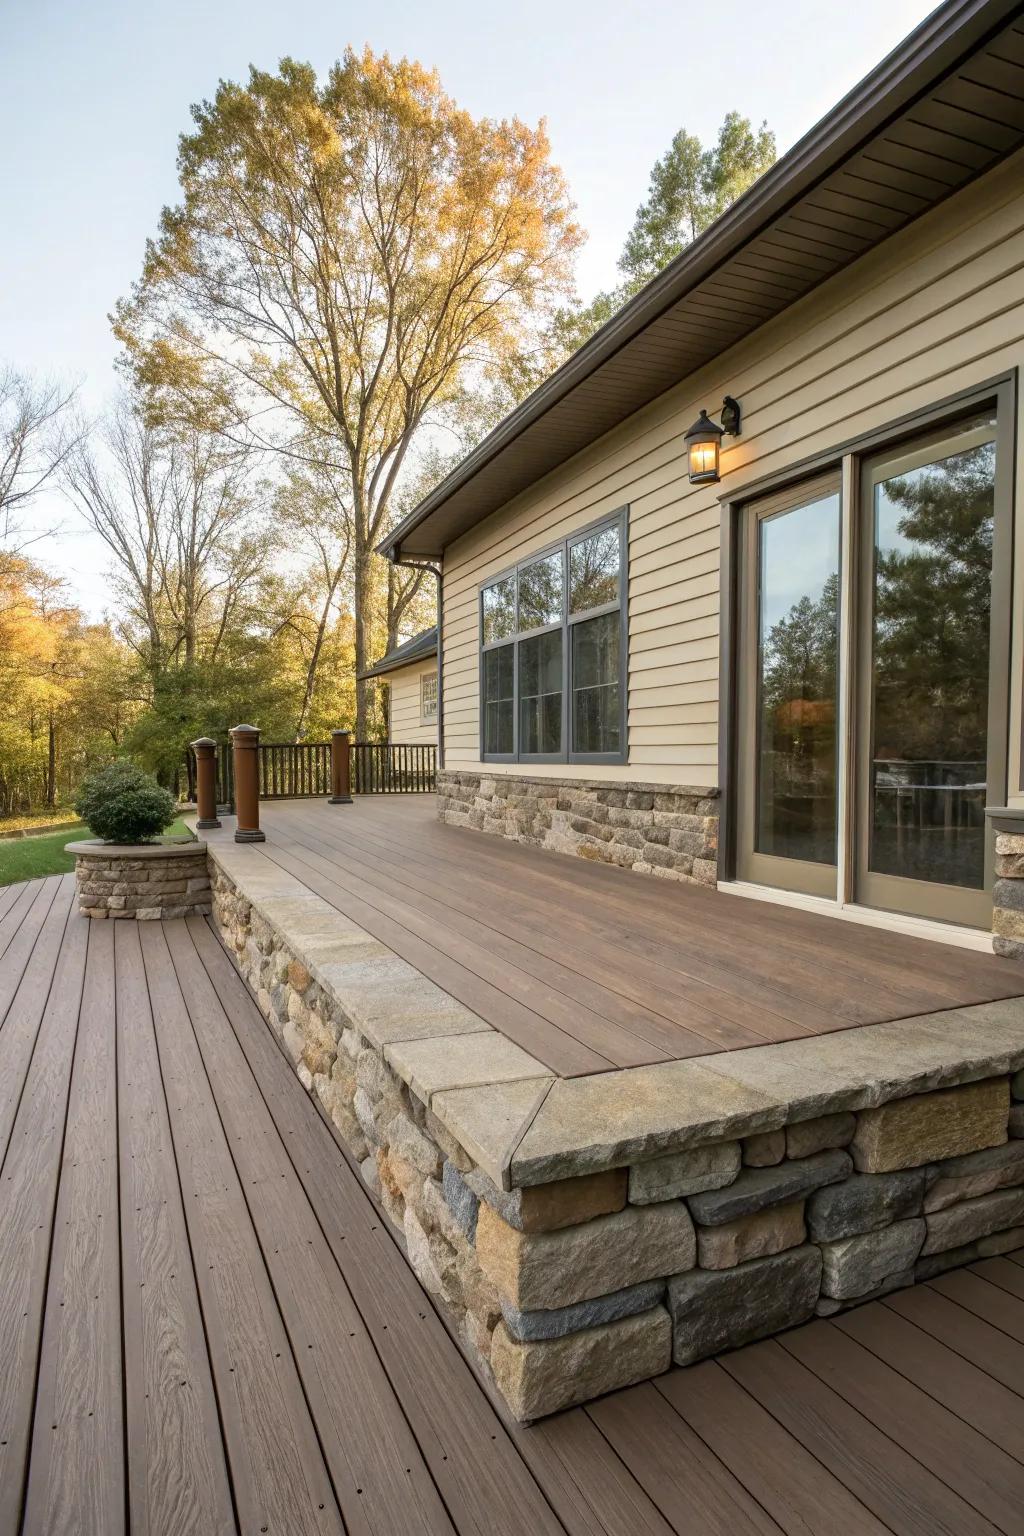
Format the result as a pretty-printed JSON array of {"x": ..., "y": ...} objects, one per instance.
[{"x": 846, "y": 458}]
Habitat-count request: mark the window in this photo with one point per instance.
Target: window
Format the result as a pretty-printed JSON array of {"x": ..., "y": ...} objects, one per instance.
[
  {"x": 553, "y": 647},
  {"x": 428, "y": 696}
]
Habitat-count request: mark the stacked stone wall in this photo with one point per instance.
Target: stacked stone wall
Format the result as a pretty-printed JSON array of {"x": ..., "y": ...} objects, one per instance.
[
  {"x": 653, "y": 829},
  {"x": 585, "y": 1284},
  {"x": 143, "y": 883}
]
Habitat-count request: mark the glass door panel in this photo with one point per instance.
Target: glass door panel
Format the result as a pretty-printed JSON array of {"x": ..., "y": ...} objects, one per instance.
[
  {"x": 788, "y": 688},
  {"x": 926, "y": 601}
]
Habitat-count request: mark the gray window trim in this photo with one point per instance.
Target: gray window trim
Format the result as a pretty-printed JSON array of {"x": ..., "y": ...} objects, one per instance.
[{"x": 619, "y": 520}]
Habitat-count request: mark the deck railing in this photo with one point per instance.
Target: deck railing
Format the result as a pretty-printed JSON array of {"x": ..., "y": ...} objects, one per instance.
[
  {"x": 393, "y": 768},
  {"x": 302, "y": 770}
]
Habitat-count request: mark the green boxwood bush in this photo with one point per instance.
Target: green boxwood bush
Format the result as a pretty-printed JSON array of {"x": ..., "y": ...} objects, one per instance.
[{"x": 123, "y": 804}]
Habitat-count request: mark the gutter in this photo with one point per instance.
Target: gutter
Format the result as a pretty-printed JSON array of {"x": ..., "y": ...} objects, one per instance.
[{"x": 392, "y": 553}]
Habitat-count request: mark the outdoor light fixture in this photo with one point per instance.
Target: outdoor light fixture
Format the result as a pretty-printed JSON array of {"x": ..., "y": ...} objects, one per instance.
[{"x": 704, "y": 439}]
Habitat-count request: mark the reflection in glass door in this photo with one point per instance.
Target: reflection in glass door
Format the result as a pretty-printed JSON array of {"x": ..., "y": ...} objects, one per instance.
[
  {"x": 788, "y": 690},
  {"x": 923, "y": 699}
]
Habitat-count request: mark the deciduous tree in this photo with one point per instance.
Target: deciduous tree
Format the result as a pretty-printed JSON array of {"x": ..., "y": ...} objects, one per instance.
[{"x": 346, "y": 254}]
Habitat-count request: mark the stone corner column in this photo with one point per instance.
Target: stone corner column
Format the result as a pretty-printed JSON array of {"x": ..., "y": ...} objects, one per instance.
[
  {"x": 341, "y": 787},
  {"x": 245, "y": 741},
  {"x": 205, "y": 749},
  {"x": 1008, "y": 896}
]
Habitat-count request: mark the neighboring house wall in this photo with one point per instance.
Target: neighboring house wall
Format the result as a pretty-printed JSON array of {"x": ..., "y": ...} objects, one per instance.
[
  {"x": 935, "y": 310},
  {"x": 407, "y": 724}
]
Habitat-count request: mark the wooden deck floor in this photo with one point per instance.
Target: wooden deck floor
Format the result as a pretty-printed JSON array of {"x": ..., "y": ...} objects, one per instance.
[
  {"x": 208, "y": 1328},
  {"x": 589, "y": 967}
]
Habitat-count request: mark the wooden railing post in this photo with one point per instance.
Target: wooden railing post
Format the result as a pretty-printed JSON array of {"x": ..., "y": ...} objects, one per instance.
[
  {"x": 341, "y": 788},
  {"x": 205, "y": 750},
  {"x": 245, "y": 744}
]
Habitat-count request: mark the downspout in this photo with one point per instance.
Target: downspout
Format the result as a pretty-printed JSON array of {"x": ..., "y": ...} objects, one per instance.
[{"x": 435, "y": 570}]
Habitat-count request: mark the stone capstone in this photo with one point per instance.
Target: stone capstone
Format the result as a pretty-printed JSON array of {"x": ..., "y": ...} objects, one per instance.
[
  {"x": 721, "y": 1309},
  {"x": 809, "y": 1136},
  {"x": 865, "y": 1202},
  {"x": 557, "y": 1269},
  {"x": 855, "y": 1265},
  {"x": 751, "y": 1237},
  {"x": 907, "y": 1133},
  {"x": 971, "y": 1219},
  {"x": 555, "y": 1322},
  {"x": 757, "y": 1188},
  {"x": 543, "y": 1376},
  {"x": 684, "y": 1173}
]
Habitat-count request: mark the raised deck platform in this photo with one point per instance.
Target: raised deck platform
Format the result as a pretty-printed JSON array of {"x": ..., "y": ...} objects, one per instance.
[
  {"x": 587, "y": 1227},
  {"x": 208, "y": 1326}
]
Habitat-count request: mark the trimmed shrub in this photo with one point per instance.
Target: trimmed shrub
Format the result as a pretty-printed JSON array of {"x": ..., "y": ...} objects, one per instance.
[{"x": 123, "y": 804}]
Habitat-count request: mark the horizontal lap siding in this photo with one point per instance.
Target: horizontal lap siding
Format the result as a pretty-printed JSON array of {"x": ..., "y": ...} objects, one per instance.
[
  {"x": 935, "y": 310},
  {"x": 406, "y": 724}
]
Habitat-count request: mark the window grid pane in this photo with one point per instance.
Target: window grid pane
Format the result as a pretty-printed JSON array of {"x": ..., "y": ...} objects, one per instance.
[
  {"x": 525, "y": 682},
  {"x": 596, "y": 712}
]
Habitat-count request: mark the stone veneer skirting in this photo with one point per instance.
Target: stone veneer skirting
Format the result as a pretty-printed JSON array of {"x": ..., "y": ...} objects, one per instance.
[
  {"x": 147, "y": 880},
  {"x": 669, "y": 830},
  {"x": 585, "y": 1233}
]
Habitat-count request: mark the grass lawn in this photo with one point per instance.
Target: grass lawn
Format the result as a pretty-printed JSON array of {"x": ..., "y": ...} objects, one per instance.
[{"x": 26, "y": 858}]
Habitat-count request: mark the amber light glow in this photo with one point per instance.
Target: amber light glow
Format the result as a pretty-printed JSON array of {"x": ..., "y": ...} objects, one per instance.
[{"x": 704, "y": 460}]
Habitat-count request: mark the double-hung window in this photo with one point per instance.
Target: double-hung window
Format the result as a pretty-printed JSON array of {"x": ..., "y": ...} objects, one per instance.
[
  {"x": 428, "y": 697},
  {"x": 553, "y": 653}
]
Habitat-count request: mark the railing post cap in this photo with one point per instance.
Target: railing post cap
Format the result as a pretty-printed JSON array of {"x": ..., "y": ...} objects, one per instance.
[
  {"x": 341, "y": 732},
  {"x": 203, "y": 741},
  {"x": 244, "y": 730}
]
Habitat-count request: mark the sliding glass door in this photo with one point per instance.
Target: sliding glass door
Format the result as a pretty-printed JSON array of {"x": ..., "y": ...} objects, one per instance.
[
  {"x": 788, "y": 707},
  {"x": 924, "y": 669},
  {"x": 871, "y": 687}
]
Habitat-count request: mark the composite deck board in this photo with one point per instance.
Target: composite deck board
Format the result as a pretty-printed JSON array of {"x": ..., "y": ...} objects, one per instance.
[
  {"x": 678, "y": 912},
  {"x": 277, "y": 1469},
  {"x": 987, "y": 1301},
  {"x": 521, "y": 1023},
  {"x": 25, "y": 895},
  {"x": 178, "y": 1482},
  {"x": 627, "y": 959},
  {"x": 990, "y": 1408},
  {"x": 29, "y": 1180},
  {"x": 169, "y": 1180},
  {"x": 796, "y": 1489},
  {"x": 885, "y": 1477},
  {"x": 970, "y": 1336},
  {"x": 27, "y": 1006},
  {"x": 22, "y": 944},
  {"x": 982, "y": 1474},
  {"x": 676, "y": 901},
  {"x": 686, "y": 1028},
  {"x": 602, "y": 961},
  {"x": 77, "y": 1476},
  {"x": 380, "y": 1478},
  {"x": 481, "y": 1476}
]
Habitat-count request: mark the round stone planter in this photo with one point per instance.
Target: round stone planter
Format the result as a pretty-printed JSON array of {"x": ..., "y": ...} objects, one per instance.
[{"x": 141, "y": 880}]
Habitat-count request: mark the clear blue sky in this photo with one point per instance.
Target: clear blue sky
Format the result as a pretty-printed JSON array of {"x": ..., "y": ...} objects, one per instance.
[{"x": 93, "y": 94}]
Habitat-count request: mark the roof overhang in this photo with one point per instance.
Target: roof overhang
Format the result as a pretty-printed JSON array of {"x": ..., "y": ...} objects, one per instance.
[
  {"x": 419, "y": 648},
  {"x": 941, "y": 109}
]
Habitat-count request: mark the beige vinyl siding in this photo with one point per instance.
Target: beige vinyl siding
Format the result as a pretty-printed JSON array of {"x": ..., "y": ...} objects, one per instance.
[
  {"x": 407, "y": 726},
  {"x": 935, "y": 310}
]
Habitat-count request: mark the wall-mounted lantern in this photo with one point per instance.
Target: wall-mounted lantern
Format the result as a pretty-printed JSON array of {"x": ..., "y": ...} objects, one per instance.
[{"x": 704, "y": 440}]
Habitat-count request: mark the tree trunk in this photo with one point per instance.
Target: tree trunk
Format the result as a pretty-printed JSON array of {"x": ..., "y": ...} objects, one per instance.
[
  {"x": 363, "y": 605},
  {"x": 51, "y": 765}
]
